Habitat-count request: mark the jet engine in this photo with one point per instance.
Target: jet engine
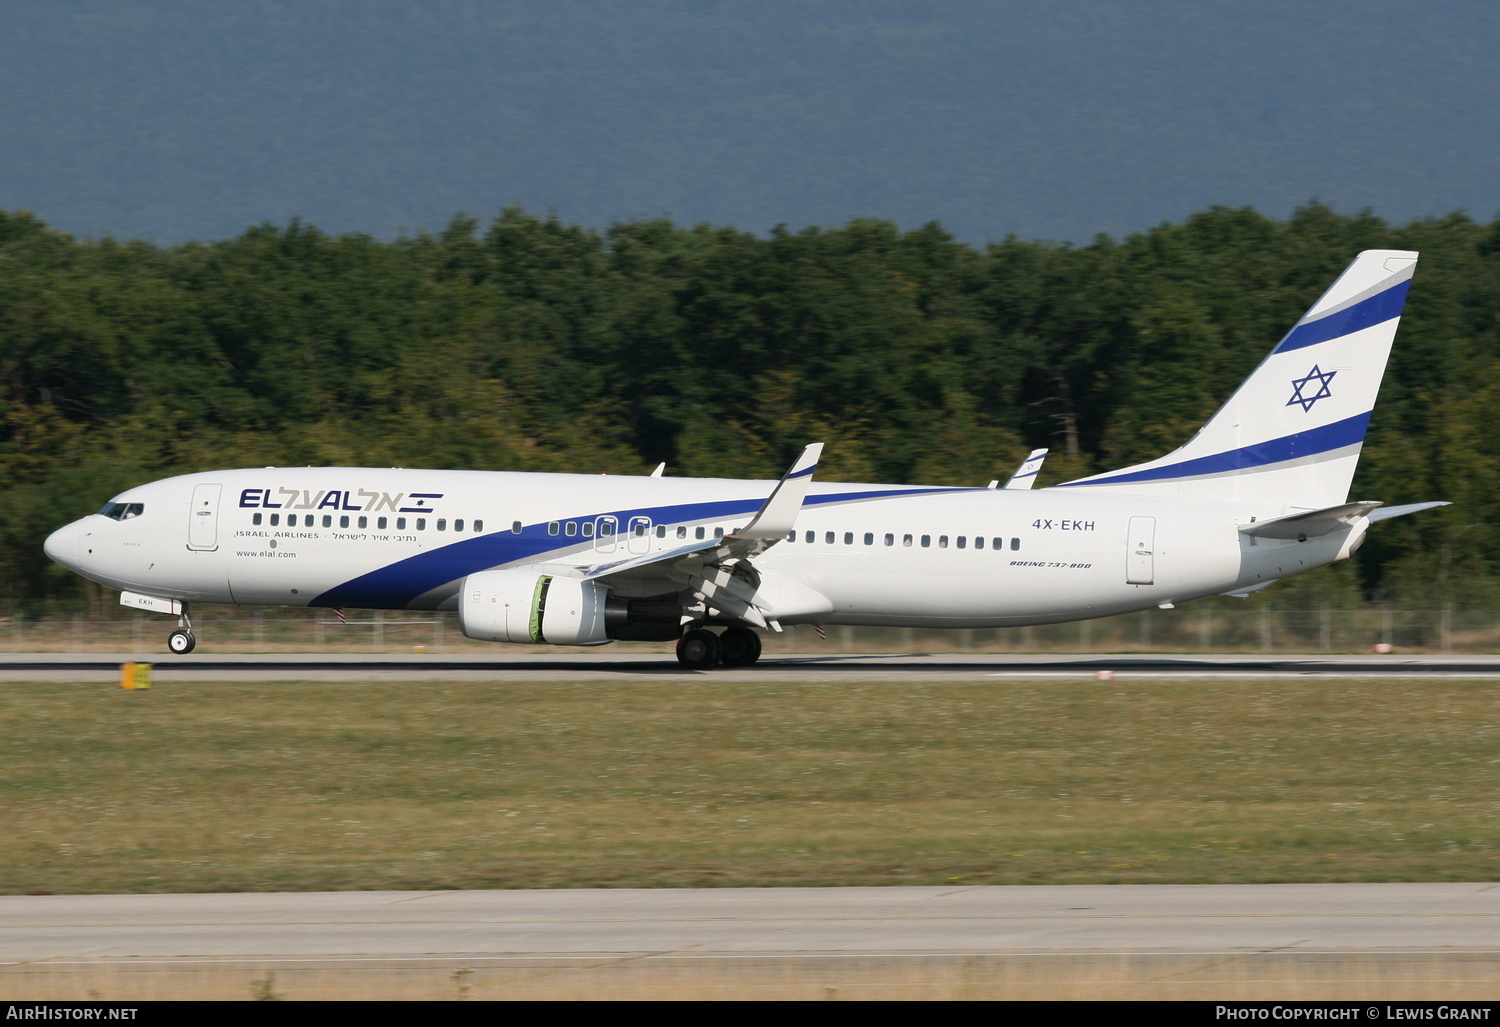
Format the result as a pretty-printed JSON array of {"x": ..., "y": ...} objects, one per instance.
[{"x": 524, "y": 606}]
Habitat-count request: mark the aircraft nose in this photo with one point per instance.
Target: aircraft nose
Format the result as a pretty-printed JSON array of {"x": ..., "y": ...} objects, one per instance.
[{"x": 62, "y": 545}]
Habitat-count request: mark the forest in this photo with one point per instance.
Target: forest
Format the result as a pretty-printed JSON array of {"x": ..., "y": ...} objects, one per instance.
[{"x": 528, "y": 343}]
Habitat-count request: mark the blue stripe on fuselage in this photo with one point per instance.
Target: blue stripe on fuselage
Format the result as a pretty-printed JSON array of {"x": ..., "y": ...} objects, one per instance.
[{"x": 395, "y": 585}]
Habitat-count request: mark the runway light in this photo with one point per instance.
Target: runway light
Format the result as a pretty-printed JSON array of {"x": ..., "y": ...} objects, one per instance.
[{"x": 135, "y": 676}]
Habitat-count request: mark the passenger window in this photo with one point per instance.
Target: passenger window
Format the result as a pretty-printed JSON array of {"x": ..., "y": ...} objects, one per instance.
[
  {"x": 255, "y": 519},
  {"x": 442, "y": 524},
  {"x": 400, "y": 523},
  {"x": 682, "y": 531},
  {"x": 479, "y": 526},
  {"x": 890, "y": 539},
  {"x": 848, "y": 538},
  {"x": 718, "y": 533},
  {"x": 607, "y": 529},
  {"x": 1015, "y": 543},
  {"x": 998, "y": 543},
  {"x": 588, "y": 529},
  {"x": 344, "y": 521},
  {"x": 364, "y": 522},
  {"x": 828, "y": 538},
  {"x": 380, "y": 523},
  {"x": 661, "y": 531},
  {"x": 942, "y": 541},
  {"x": 962, "y": 541},
  {"x": 869, "y": 538},
  {"x": 791, "y": 536},
  {"x": 906, "y": 540},
  {"x": 421, "y": 524},
  {"x": 515, "y": 527},
  {"x": 291, "y": 520},
  {"x": 978, "y": 541},
  {"x": 570, "y": 529},
  {"x": 926, "y": 541},
  {"x": 328, "y": 521},
  {"x": 275, "y": 520},
  {"x": 458, "y": 525},
  {"x": 552, "y": 528},
  {"x": 808, "y": 537},
  {"x": 699, "y": 533}
]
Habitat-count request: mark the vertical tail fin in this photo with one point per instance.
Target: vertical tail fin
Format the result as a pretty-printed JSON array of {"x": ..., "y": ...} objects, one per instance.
[{"x": 1290, "y": 436}]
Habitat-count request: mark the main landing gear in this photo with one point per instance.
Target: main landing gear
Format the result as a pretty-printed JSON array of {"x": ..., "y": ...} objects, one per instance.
[
  {"x": 182, "y": 641},
  {"x": 701, "y": 649}
]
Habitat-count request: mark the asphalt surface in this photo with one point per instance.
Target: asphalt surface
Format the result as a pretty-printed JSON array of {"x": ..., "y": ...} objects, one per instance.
[
  {"x": 593, "y": 665},
  {"x": 1308, "y": 918}
]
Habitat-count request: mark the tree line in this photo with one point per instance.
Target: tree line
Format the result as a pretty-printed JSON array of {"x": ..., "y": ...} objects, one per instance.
[{"x": 532, "y": 344}]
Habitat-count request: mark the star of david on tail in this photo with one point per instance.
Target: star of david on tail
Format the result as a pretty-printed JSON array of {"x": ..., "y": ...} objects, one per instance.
[{"x": 1299, "y": 384}]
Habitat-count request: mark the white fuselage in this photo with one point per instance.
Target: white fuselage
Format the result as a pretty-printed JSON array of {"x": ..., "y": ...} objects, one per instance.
[{"x": 878, "y": 554}]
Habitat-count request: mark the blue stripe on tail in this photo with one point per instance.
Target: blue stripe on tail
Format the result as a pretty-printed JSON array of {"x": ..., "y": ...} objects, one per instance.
[
  {"x": 1365, "y": 314},
  {"x": 1348, "y": 432}
]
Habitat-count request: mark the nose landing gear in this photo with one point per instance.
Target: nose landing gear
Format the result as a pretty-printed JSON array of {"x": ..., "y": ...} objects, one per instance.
[{"x": 182, "y": 641}]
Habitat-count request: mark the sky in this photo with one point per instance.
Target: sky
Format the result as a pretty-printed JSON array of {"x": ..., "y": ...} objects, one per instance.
[{"x": 170, "y": 120}]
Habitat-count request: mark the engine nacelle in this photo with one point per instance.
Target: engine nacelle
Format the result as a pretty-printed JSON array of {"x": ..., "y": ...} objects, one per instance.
[{"x": 524, "y": 606}]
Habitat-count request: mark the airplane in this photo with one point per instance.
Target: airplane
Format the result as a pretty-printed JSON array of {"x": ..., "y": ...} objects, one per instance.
[{"x": 1260, "y": 493}]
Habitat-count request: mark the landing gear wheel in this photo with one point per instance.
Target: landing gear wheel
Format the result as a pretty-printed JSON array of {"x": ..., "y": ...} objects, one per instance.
[
  {"x": 698, "y": 650},
  {"x": 741, "y": 647},
  {"x": 181, "y": 642}
]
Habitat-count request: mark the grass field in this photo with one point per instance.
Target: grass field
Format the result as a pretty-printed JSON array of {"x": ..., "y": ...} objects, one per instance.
[{"x": 298, "y": 786}]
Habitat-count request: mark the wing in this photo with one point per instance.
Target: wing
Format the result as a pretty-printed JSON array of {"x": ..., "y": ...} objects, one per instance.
[{"x": 718, "y": 572}]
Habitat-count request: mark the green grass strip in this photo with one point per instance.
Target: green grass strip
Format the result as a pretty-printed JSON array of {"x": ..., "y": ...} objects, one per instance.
[{"x": 277, "y": 786}]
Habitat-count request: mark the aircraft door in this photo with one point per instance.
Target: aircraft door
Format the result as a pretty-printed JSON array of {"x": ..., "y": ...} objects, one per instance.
[
  {"x": 1140, "y": 547},
  {"x": 203, "y": 518},
  {"x": 639, "y": 540},
  {"x": 605, "y": 529}
]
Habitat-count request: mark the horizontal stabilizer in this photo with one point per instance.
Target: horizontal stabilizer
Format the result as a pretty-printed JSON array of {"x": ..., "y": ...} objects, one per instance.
[
  {"x": 1385, "y": 513},
  {"x": 1302, "y": 526}
]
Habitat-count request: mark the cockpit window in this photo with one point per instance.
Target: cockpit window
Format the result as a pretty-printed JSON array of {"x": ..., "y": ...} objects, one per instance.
[{"x": 122, "y": 511}]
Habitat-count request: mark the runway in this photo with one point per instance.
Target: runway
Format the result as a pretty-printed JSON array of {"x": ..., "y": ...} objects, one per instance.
[
  {"x": 644, "y": 666},
  {"x": 1365, "y": 941}
]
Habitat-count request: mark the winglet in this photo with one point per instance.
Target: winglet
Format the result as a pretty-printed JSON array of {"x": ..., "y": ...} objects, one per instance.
[
  {"x": 1025, "y": 475},
  {"x": 778, "y": 515}
]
